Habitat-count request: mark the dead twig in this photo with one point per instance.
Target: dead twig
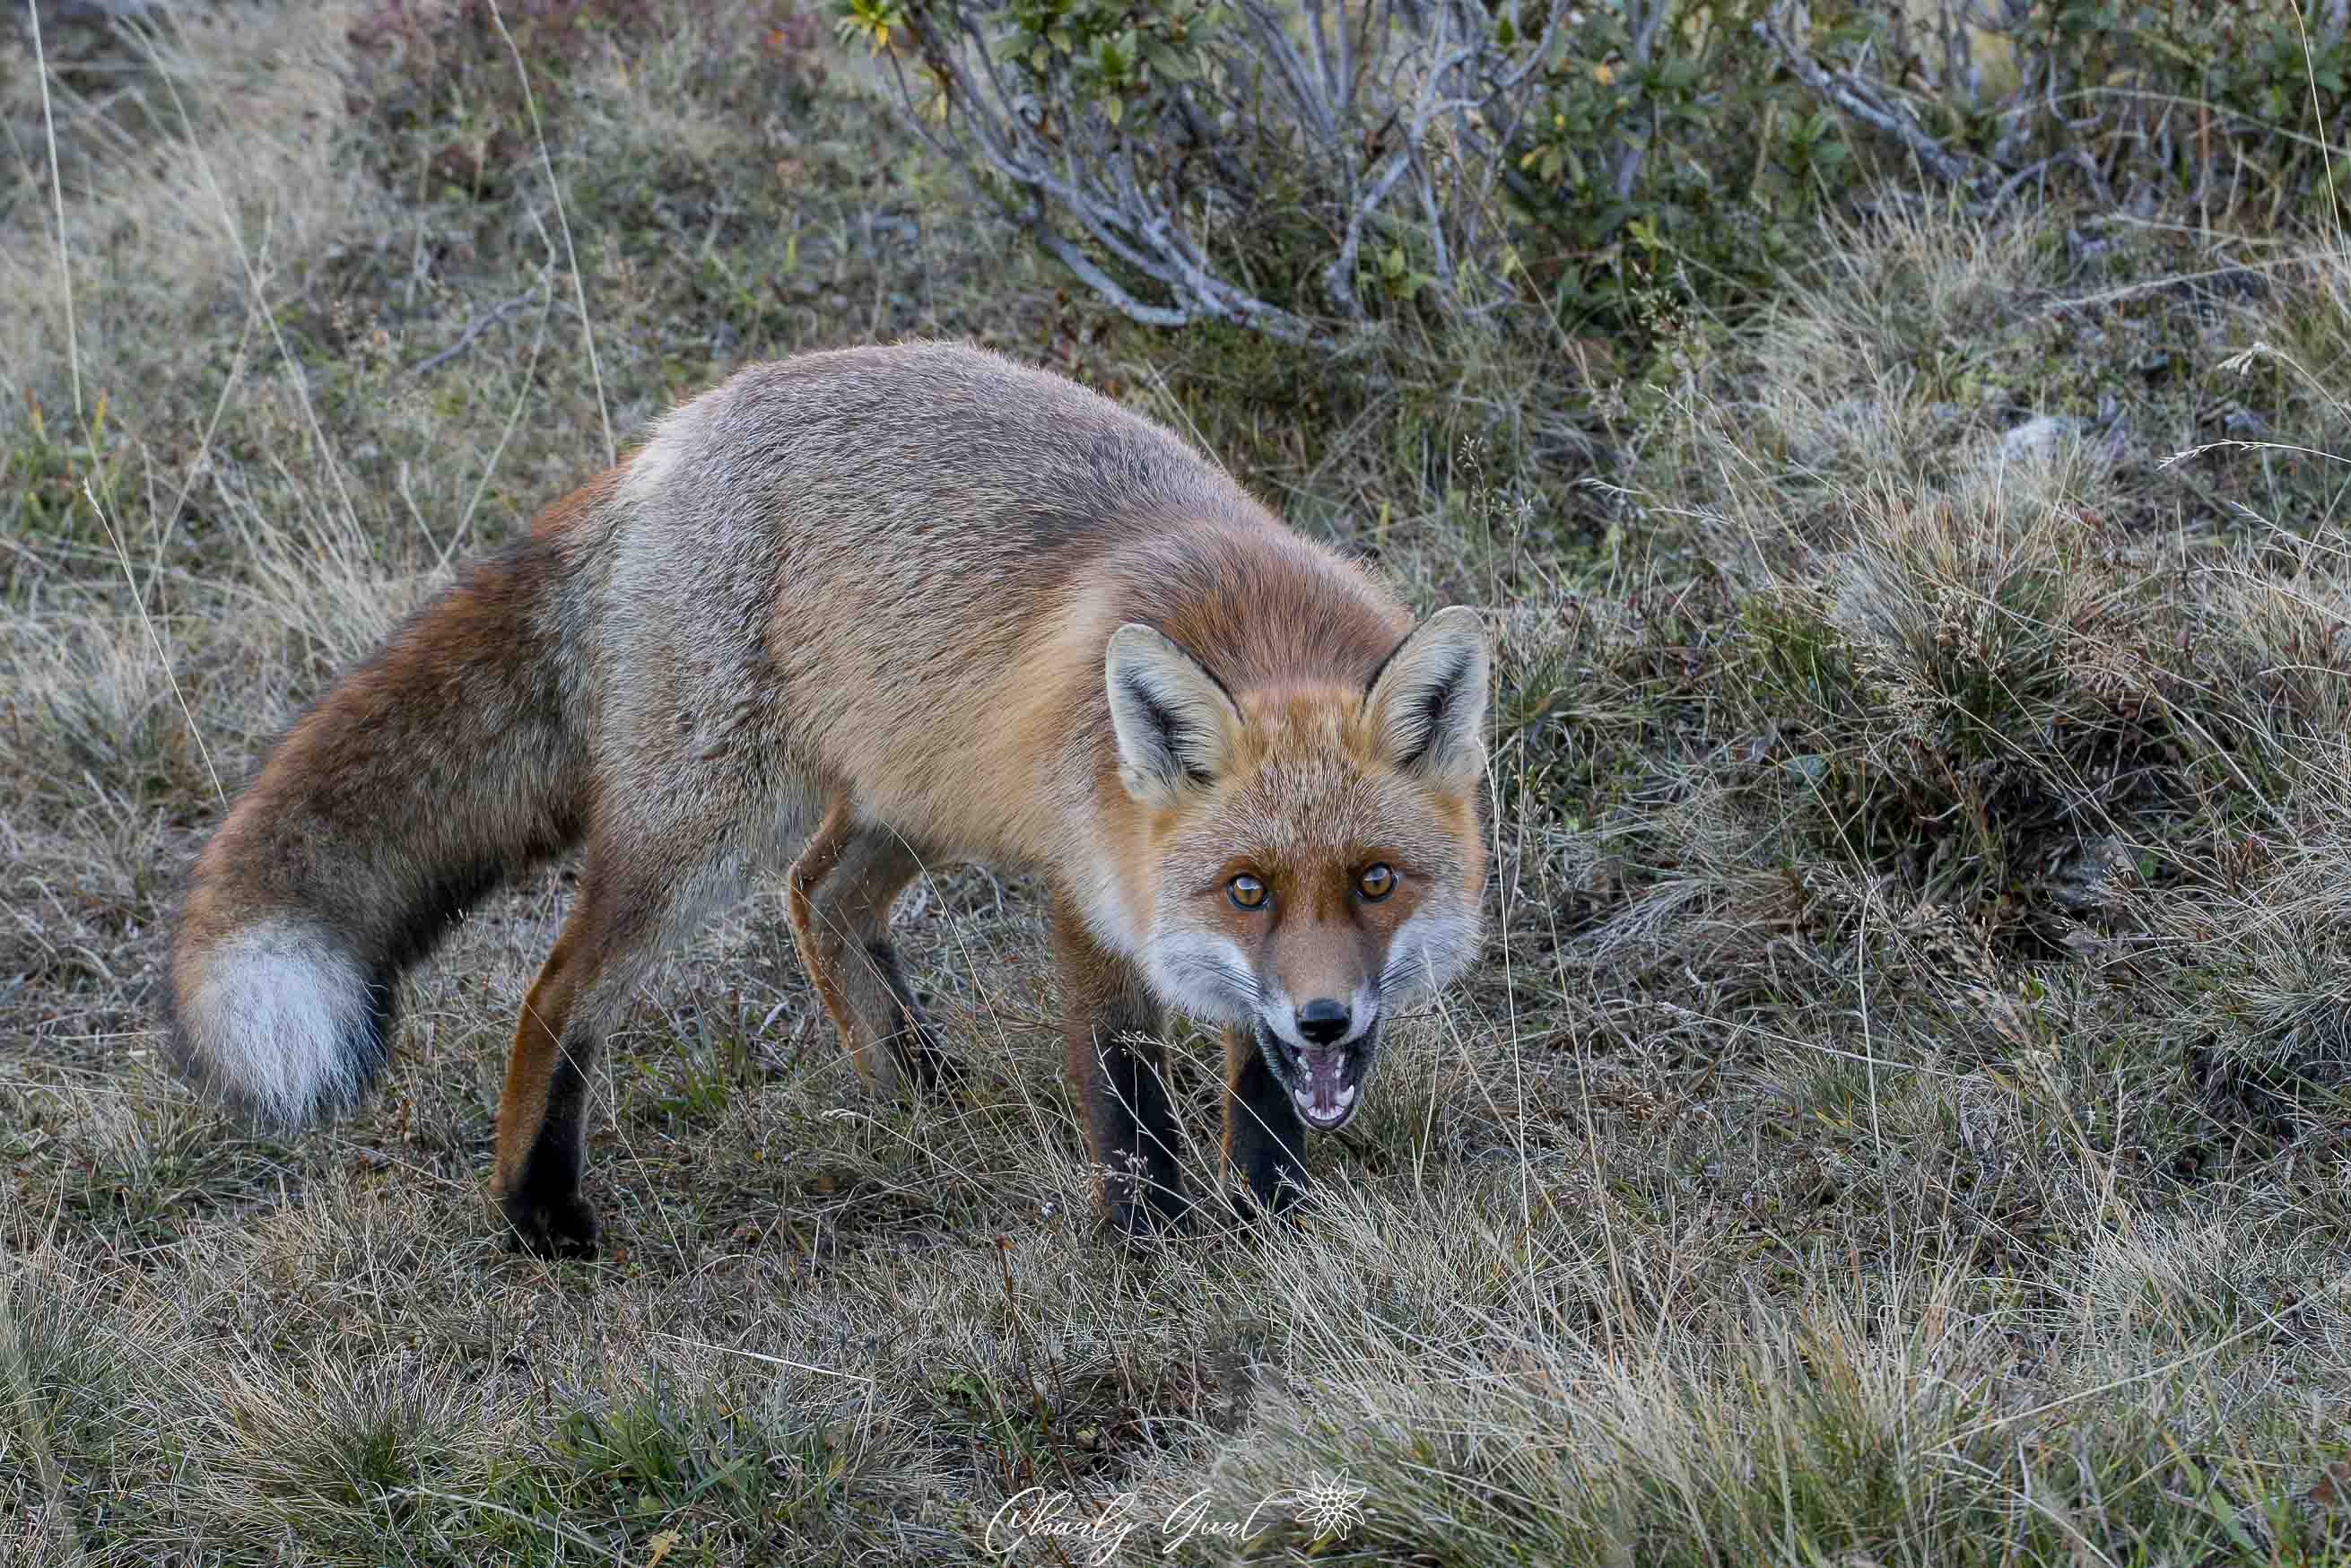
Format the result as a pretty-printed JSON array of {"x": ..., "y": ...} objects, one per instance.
[{"x": 477, "y": 326}]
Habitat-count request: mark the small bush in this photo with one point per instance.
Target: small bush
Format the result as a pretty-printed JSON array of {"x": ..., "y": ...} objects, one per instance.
[{"x": 1296, "y": 167}]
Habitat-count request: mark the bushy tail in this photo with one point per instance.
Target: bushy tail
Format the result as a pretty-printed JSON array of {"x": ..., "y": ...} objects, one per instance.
[{"x": 452, "y": 758}]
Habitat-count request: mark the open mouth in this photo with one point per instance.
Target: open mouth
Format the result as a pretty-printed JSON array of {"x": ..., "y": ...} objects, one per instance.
[{"x": 1324, "y": 1084}]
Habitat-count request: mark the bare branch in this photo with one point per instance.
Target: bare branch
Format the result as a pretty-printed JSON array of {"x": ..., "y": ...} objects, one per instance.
[
  {"x": 1329, "y": 81},
  {"x": 1354, "y": 110},
  {"x": 1858, "y": 98},
  {"x": 1338, "y": 278},
  {"x": 476, "y": 327},
  {"x": 1289, "y": 69},
  {"x": 1104, "y": 285}
]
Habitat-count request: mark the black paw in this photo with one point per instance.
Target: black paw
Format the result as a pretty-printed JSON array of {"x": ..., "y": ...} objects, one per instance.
[
  {"x": 1145, "y": 1218},
  {"x": 937, "y": 1073},
  {"x": 551, "y": 1227},
  {"x": 1266, "y": 1205},
  {"x": 925, "y": 1063}
]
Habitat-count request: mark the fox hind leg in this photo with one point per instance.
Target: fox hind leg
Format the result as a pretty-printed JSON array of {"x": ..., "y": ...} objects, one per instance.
[
  {"x": 630, "y": 908},
  {"x": 841, "y": 888},
  {"x": 535, "y": 1174}
]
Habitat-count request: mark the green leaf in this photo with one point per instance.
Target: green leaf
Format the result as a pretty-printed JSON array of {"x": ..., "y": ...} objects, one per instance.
[{"x": 1170, "y": 64}]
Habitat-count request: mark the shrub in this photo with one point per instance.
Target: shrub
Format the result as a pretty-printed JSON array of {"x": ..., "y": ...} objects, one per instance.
[{"x": 1301, "y": 168}]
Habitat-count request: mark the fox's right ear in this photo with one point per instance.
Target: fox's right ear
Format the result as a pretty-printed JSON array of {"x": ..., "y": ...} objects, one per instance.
[{"x": 1175, "y": 720}]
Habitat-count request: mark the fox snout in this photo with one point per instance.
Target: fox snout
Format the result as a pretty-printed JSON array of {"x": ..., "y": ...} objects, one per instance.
[{"x": 1321, "y": 1052}]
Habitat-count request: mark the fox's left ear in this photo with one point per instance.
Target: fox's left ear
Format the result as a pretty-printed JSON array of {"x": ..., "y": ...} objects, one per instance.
[{"x": 1428, "y": 700}]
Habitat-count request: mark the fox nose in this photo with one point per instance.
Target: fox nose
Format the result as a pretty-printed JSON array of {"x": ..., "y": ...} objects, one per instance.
[{"x": 1323, "y": 1020}]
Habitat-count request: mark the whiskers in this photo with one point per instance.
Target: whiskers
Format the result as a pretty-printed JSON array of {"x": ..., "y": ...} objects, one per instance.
[
  {"x": 1208, "y": 977},
  {"x": 1219, "y": 971},
  {"x": 1429, "y": 951}
]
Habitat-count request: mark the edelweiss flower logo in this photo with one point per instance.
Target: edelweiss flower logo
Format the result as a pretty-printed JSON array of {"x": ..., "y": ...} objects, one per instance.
[{"x": 1330, "y": 1508}]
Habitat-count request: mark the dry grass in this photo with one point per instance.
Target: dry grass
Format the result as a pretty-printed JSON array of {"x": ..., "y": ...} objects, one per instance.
[{"x": 1901, "y": 1119}]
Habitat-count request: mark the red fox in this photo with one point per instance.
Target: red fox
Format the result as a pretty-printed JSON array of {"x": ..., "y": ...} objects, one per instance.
[{"x": 857, "y": 613}]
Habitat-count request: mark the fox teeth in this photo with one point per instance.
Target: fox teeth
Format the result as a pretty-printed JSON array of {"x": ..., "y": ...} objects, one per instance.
[{"x": 1305, "y": 1101}]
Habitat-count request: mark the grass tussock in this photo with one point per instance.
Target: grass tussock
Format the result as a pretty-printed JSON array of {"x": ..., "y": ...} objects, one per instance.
[{"x": 1900, "y": 1118}]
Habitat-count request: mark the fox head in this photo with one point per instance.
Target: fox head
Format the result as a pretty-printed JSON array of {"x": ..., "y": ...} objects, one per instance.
[{"x": 1314, "y": 849}]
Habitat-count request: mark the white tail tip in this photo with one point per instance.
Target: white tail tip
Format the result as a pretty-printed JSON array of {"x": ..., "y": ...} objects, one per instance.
[{"x": 277, "y": 1020}]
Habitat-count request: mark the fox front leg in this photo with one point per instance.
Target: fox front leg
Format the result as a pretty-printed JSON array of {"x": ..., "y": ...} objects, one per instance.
[
  {"x": 1265, "y": 1142},
  {"x": 1112, "y": 1024}
]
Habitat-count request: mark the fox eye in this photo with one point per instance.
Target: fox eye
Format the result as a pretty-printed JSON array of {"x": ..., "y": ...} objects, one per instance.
[
  {"x": 1246, "y": 891},
  {"x": 1376, "y": 883}
]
